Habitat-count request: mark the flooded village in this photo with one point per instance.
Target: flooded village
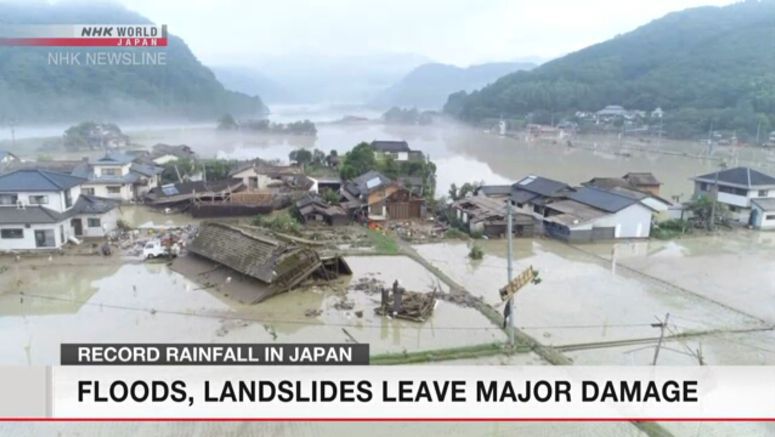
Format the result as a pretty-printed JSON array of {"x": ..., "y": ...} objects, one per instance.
[{"x": 225, "y": 237}]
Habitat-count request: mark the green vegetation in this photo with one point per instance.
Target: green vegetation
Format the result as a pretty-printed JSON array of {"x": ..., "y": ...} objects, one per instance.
[
  {"x": 362, "y": 158},
  {"x": 670, "y": 229},
  {"x": 89, "y": 135},
  {"x": 704, "y": 67},
  {"x": 330, "y": 196},
  {"x": 383, "y": 243},
  {"x": 32, "y": 90},
  {"x": 459, "y": 353},
  {"x": 476, "y": 252},
  {"x": 279, "y": 221},
  {"x": 304, "y": 127},
  {"x": 456, "y": 193},
  {"x": 456, "y": 234},
  {"x": 396, "y": 115},
  {"x": 705, "y": 214}
]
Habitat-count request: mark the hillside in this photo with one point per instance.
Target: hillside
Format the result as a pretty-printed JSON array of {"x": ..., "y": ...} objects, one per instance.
[
  {"x": 31, "y": 90},
  {"x": 428, "y": 85},
  {"x": 700, "y": 65},
  {"x": 252, "y": 82}
]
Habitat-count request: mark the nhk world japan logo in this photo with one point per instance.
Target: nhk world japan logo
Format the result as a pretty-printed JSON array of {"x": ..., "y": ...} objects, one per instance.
[{"x": 85, "y": 35}]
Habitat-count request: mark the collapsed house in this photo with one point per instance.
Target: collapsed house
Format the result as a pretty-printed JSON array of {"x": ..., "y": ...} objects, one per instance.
[
  {"x": 408, "y": 305},
  {"x": 489, "y": 216},
  {"x": 277, "y": 263},
  {"x": 313, "y": 209}
]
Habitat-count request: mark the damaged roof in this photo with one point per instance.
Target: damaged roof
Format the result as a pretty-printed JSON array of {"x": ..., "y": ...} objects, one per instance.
[{"x": 255, "y": 253}]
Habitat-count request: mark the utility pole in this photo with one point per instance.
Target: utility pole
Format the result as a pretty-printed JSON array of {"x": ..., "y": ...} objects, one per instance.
[
  {"x": 712, "y": 220},
  {"x": 512, "y": 314},
  {"x": 758, "y": 131},
  {"x": 662, "y": 326}
]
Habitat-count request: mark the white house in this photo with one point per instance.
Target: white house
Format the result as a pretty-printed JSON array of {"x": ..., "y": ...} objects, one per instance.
[
  {"x": 763, "y": 213},
  {"x": 117, "y": 176},
  {"x": 737, "y": 188},
  {"x": 398, "y": 150},
  {"x": 41, "y": 209}
]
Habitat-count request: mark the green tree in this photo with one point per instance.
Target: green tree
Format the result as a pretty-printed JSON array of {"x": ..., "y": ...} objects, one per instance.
[
  {"x": 301, "y": 156},
  {"x": 227, "y": 122},
  {"x": 357, "y": 161}
]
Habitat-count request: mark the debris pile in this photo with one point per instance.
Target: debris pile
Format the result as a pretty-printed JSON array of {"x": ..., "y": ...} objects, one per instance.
[{"x": 408, "y": 305}]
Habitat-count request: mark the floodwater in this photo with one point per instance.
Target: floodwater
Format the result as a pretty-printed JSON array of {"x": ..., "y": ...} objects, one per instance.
[
  {"x": 92, "y": 299},
  {"x": 585, "y": 298},
  {"x": 461, "y": 153}
]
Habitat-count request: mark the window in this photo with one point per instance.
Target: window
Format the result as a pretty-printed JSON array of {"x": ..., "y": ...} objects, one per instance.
[
  {"x": 703, "y": 186},
  {"x": 38, "y": 200},
  {"x": 114, "y": 190},
  {"x": 764, "y": 193},
  {"x": 111, "y": 172},
  {"x": 8, "y": 199},
  {"x": 94, "y": 223},
  {"x": 68, "y": 199},
  {"x": 12, "y": 233},
  {"x": 769, "y": 217},
  {"x": 88, "y": 191},
  {"x": 45, "y": 238},
  {"x": 732, "y": 190}
]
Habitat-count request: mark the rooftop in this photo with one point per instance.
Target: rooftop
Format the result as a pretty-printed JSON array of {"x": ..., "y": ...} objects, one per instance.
[
  {"x": 739, "y": 176},
  {"x": 390, "y": 146},
  {"x": 600, "y": 199},
  {"x": 38, "y": 180},
  {"x": 767, "y": 204},
  {"x": 540, "y": 185},
  {"x": 641, "y": 179},
  {"x": 114, "y": 158}
]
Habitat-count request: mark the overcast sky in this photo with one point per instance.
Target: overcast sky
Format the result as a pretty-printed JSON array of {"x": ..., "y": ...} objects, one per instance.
[{"x": 460, "y": 32}]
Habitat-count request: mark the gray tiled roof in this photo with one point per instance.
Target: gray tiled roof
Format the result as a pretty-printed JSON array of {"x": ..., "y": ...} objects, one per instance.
[
  {"x": 390, "y": 146},
  {"x": 11, "y": 215},
  {"x": 741, "y": 176},
  {"x": 540, "y": 185},
  {"x": 600, "y": 199},
  {"x": 37, "y": 180}
]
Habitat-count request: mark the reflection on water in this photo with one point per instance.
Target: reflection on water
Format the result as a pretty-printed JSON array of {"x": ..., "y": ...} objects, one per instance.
[{"x": 88, "y": 299}]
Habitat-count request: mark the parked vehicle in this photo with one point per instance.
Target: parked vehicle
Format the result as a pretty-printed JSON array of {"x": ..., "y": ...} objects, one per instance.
[{"x": 160, "y": 248}]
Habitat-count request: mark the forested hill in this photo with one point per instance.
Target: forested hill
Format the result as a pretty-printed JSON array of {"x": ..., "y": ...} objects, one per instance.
[
  {"x": 32, "y": 90},
  {"x": 428, "y": 85},
  {"x": 699, "y": 65}
]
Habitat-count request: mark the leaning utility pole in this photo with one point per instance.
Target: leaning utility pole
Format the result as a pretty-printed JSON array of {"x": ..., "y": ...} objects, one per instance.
[
  {"x": 512, "y": 315},
  {"x": 662, "y": 326}
]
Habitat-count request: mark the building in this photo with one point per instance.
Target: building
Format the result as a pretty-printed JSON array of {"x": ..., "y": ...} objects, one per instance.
[
  {"x": 763, "y": 213},
  {"x": 398, "y": 150},
  {"x": 643, "y": 182},
  {"x": 376, "y": 197},
  {"x": 259, "y": 175},
  {"x": 531, "y": 193},
  {"x": 7, "y": 158},
  {"x": 163, "y": 153},
  {"x": 276, "y": 263},
  {"x": 313, "y": 209},
  {"x": 590, "y": 214},
  {"x": 484, "y": 215},
  {"x": 117, "y": 176},
  {"x": 737, "y": 187},
  {"x": 40, "y": 209}
]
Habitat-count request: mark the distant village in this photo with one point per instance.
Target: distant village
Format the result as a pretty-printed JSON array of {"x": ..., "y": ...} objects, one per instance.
[{"x": 50, "y": 204}]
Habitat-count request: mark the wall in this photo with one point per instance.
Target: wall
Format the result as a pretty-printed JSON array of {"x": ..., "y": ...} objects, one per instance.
[
  {"x": 28, "y": 242},
  {"x": 632, "y": 222},
  {"x": 761, "y": 219},
  {"x": 126, "y": 194},
  {"x": 108, "y": 223}
]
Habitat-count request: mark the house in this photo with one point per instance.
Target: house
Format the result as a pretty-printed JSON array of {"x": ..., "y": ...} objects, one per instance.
[
  {"x": 117, "y": 176},
  {"x": 493, "y": 191},
  {"x": 259, "y": 175},
  {"x": 376, "y": 197},
  {"x": 164, "y": 153},
  {"x": 590, "y": 214},
  {"x": 763, "y": 213},
  {"x": 182, "y": 194},
  {"x": 277, "y": 263},
  {"x": 40, "y": 209},
  {"x": 657, "y": 113},
  {"x": 737, "y": 187},
  {"x": 532, "y": 192},
  {"x": 7, "y": 158},
  {"x": 313, "y": 209},
  {"x": 643, "y": 182},
  {"x": 398, "y": 150},
  {"x": 611, "y": 111},
  {"x": 488, "y": 216}
]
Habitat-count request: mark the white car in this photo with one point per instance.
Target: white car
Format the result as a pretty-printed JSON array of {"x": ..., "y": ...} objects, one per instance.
[{"x": 154, "y": 249}]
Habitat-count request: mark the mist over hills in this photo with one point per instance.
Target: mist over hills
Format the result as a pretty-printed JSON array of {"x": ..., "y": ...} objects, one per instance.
[
  {"x": 428, "y": 85},
  {"x": 33, "y": 91}
]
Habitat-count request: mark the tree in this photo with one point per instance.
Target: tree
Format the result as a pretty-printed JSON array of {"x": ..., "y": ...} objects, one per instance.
[
  {"x": 357, "y": 161},
  {"x": 227, "y": 122},
  {"x": 301, "y": 156}
]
